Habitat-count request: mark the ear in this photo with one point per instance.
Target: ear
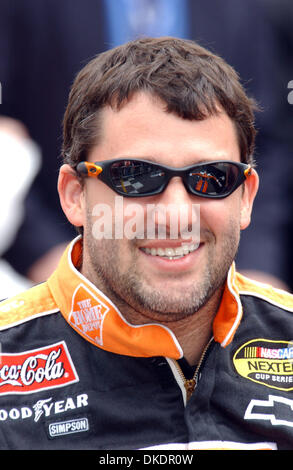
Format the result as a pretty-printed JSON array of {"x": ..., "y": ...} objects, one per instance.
[
  {"x": 250, "y": 190},
  {"x": 71, "y": 195}
]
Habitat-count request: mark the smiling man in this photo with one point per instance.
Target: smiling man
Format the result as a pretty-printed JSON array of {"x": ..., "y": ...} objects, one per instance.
[
  {"x": 151, "y": 342},
  {"x": 182, "y": 293}
]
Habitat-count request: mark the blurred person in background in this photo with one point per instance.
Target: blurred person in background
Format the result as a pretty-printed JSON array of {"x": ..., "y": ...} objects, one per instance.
[
  {"x": 20, "y": 160},
  {"x": 42, "y": 46}
]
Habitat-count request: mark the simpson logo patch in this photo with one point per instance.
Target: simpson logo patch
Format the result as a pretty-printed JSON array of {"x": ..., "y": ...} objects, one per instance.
[
  {"x": 35, "y": 370},
  {"x": 71, "y": 426},
  {"x": 266, "y": 362},
  {"x": 87, "y": 314}
]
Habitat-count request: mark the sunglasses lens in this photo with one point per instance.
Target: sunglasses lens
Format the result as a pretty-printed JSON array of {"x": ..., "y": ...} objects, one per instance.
[
  {"x": 132, "y": 177},
  {"x": 217, "y": 179}
]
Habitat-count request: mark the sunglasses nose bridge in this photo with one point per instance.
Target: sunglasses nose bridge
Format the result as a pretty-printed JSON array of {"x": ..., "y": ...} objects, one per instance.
[
  {"x": 174, "y": 172},
  {"x": 180, "y": 174}
]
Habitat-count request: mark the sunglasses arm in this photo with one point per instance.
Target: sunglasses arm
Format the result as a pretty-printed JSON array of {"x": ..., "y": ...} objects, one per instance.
[
  {"x": 89, "y": 169},
  {"x": 248, "y": 171}
]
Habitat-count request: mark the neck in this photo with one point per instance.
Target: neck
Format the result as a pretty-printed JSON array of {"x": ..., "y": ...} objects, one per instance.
[{"x": 193, "y": 333}]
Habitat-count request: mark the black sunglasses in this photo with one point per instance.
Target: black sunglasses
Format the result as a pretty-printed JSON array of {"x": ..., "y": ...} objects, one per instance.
[{"x": 140, "y": 178}]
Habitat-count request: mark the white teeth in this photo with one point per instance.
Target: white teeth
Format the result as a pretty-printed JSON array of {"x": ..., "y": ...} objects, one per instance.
[
  {"x": 171, "y": 253},
  {"x": 185, "y": 250}
]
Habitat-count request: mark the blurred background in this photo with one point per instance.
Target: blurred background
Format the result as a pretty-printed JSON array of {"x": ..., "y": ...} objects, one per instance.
[{"x": 44, "y": 43}]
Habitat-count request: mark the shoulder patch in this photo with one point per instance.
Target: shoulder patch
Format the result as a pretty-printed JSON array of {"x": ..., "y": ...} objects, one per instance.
[
  {"x": 267, "y": 362},
  {"x": 34, "y": 302},
  {"x": 275, "y": 296}
]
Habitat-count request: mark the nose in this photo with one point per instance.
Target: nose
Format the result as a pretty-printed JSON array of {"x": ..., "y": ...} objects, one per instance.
[
  {"x": 175, "y": 193},
  {"x": 181, "y": 210}
]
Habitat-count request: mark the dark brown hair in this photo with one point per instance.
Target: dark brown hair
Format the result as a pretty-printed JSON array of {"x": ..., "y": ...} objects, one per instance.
[{"x": 192, "y": 81}]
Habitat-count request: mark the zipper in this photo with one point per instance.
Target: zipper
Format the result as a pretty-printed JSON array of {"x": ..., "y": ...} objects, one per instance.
[{"x": 189, "y": 385}]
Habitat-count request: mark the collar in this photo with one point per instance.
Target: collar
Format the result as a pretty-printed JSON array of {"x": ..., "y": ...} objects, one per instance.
[{"x": 94, "y": 316}]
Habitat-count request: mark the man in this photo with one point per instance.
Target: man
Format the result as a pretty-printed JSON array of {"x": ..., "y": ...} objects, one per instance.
[
  {"x": 142, "y": 342},
  {"x": 36, "y": 74}
]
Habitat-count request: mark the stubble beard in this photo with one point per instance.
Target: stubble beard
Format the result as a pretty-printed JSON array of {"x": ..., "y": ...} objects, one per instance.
[{"x": 132, "y": 290}]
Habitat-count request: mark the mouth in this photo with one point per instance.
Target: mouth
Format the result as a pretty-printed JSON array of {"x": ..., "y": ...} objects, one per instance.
[{"x": 171, "y": 253}]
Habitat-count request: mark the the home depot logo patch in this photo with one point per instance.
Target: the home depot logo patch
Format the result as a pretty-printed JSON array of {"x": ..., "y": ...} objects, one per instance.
[
  {"x": 87, "y": 314},
  {"x": 266, "y": 362}
]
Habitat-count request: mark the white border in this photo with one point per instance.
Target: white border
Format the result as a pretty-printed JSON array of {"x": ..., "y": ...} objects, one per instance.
[
  {"x": 178, "y": 378},
  {"x": 240, "y": 310},
  {"x": 211, "y": 445},
  {"x": 268, "y": 299},
  {"x": 28, "y": 318}
]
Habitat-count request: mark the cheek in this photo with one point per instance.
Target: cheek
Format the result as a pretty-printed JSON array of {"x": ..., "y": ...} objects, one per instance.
[
  {"x": 98, "y": 192},
  {"x": 221, "y": 217},
  {"x": 100, "y": 210}
]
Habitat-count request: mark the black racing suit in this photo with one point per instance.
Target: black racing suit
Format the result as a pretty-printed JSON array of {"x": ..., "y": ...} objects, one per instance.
[{"x": 75, "y": 375}]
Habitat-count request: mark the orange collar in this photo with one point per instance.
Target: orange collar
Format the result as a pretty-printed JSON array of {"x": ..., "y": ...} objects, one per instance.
[{"x": 98, "y": 320}]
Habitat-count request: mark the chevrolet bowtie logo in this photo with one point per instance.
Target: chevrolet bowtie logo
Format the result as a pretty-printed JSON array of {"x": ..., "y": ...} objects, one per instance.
[{"x": 277, "y": 410}]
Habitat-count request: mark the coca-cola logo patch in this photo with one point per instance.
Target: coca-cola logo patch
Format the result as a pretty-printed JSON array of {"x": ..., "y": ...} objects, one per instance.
[{"x": 37, "y": 369}]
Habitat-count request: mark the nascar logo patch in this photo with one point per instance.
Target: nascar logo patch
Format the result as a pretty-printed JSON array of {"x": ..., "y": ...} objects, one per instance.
[
  {"x": 37, "y": 369},
  {"x": 266, "y": 362}
]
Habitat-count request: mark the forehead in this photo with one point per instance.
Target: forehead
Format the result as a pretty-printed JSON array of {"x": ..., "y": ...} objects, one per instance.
[{"x": 142, "y": 128}]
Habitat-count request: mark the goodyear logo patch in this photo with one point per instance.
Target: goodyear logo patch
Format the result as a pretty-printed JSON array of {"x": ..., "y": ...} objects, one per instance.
[{"x": 266, "y": 362}]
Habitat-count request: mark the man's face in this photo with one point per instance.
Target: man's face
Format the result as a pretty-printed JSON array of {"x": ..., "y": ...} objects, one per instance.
[{"x": 159, "y": 288}]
